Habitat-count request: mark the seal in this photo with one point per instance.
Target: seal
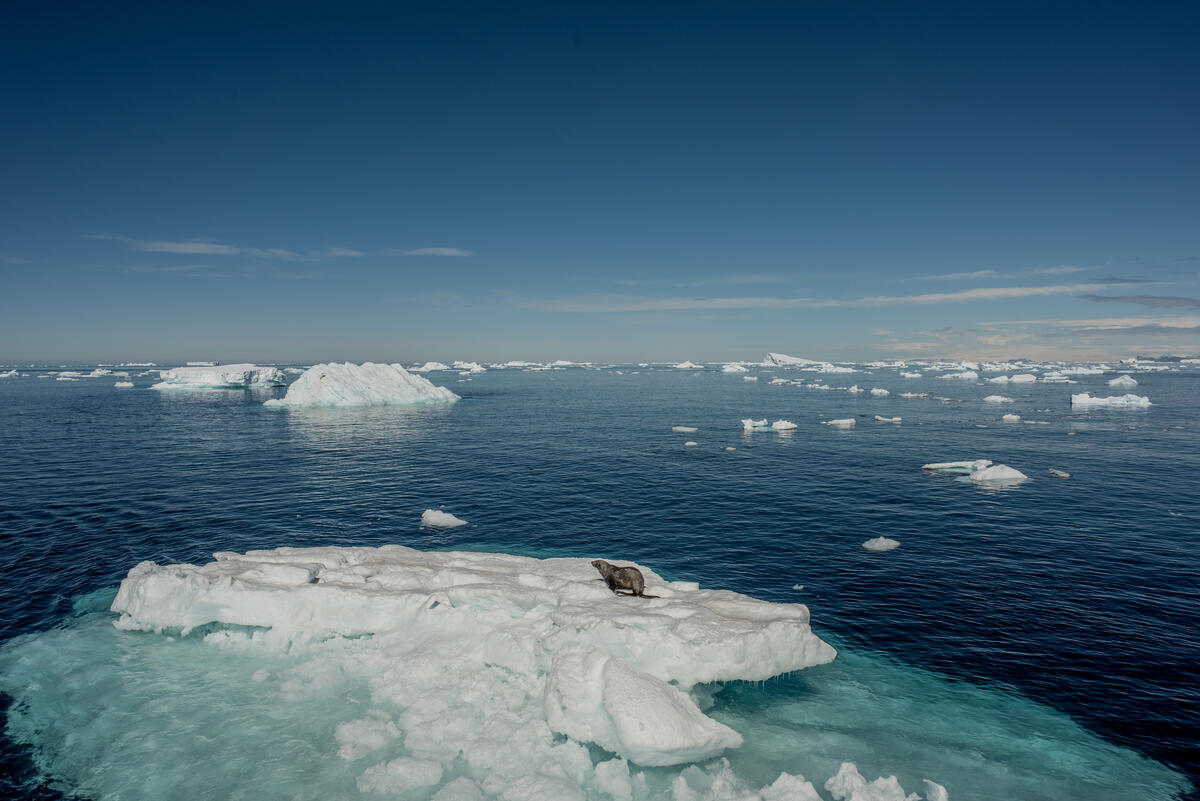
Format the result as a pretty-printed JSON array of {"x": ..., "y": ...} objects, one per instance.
[{"x": 624, "y": 578}]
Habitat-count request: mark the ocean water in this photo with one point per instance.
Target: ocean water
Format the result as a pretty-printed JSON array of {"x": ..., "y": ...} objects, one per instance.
[{"x": 1030, "y": 642}]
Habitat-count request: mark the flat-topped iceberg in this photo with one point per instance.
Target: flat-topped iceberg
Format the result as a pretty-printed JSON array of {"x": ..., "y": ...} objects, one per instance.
[
  {"x": 689, "y": 366},
  {"x": 877, "y": 391},
  {"x": 597, "y": 667},
  {"x": 1123, "y": 382},
  {"x": 750, "y": 424},
  {"x": 225, "y": 376},
  {"x": 881, "y": 419},
  {"x": 845, "y": 422},
  {"x": 1086, "y": 401},
  {"x": 366, "y": 384}
]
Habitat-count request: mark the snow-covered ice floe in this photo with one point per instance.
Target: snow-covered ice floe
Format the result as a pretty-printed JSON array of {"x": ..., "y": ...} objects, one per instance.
[
  {"x": 881, "y": 544},
  {"x": 784, "y": 425},
  {"x": 123, "y": 384},
  {"x": 225, "y": 376},
  {"x": 881, "y": 419},
  {"x": 998, "y": 474},
  {"x": 733, "y": 368},
  {"x": 436, "y": 518},
  {"x": 961, "y": 467},
  {"x": 689, "y": 366},
  {"x": 1123, "y": 382},
  {"x": 594, "y": 666},
  {"x": 684, "y": 429},
  {"x": 8, "y": 374},
  {"x": 997, "y": 399},
  {"x": 1011, "y": 418},
  {"x": 1059, "y": 473},
  {"x": 750, "y": 424},
  {"x": 1086, "y": 401},
  {"x": 366, "y": 384},
  {"x": 845, "y": 422},
  {"x": 964, "y": 375}
]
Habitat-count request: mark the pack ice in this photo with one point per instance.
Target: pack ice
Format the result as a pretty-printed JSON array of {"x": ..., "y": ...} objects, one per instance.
[
  {"x": 366, "y": 384},
  {"x": 225, "y": 376},
  {"x": 597, "y": 667}
]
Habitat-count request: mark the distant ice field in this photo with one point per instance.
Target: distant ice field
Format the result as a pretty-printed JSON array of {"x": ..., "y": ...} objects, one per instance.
[{"x": 1028, "y": 641}]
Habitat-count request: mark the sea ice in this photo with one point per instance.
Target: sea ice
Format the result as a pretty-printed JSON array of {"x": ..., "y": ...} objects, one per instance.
[
  {"x": 999, "y": 473},
  {"x": 685, "y": 429},
  {"x": 689, "y": 366},
  {"x": 1000, "y": 379},
  {"x": 1011, "y": 418},
  {"x": 1024, "y": 378},
  {"x": 435, "y": 518},
  {"x": 749, "y": 424},
  {"x": 879, "y": 392},
  {"x": 845, "y": 422},
  {"x": 911, "y": 375},
  {"x": 226, "y": 376},
  {"x": 364, "y": 384},
  {"x": 964, "y": 467},
  {"x": 1086, "y": 401},
  {"x": 914, "y": 394},
  {"x": 1123, "y": 382},
  {"x": 123, "y": 384},
  {"x": 997, "y": 399},
  {"x": 854, "y": 390},
  {"x": 9, "y": 374},
  {"x": 965, "y": 375},
  {"x": 1059, "y": 473},
  {"x": 733, "y": 368},
  {"x": 784, "y": 425},
  {"x": 749, "y": 378},
  {"x": 882, "y": 419},
  {"x": 429, "y": 367},
  {"x": 691, "y": 443},
  {"x": 881, "y": 544}
]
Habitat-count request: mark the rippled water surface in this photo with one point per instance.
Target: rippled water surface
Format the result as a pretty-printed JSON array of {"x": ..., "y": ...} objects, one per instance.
[{"x": 1081, "y": 595}]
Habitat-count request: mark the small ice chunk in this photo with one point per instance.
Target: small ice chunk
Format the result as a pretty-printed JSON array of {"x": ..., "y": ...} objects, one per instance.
[
  {"x": 879, "y": 392},
  {"x": 911, "y": 375},
  {"x": 730, "y": 448},
  {"x": 997, "y": 399},
  {"x": 965, "y": 375},
  {"x": 845, "y": 422},
  {"x": 684, "y": 429},
  {"x": 999, "y": 473},
  {"x": 691, "y": 443},
  {"x": 689, "y": 366},
  {"x": 957, "y": 467},
  {"x": 733, "y": 368},
  {"x": 123, "y": 384},
  {"x": 797, "y": 587},
  {"x": 1059, "y": 473},
  {"x": 9, "y": 374},
  {"x": 1086, "y": 401},
  {"x": 262, "y": 674},
  {"x": 881, "y": 544},
  {"x": 914, "y": 394},
  {"x": 882, "y": 419},
  {"x": 435, "y": 518},
  {"x": 1011, "y": 418},
  {"x": 429, "y": 367},
  {"x": 1123, "y": 382},
  {"x": 749, "y": 424},
  {"x": 1024, "y": 378},
  {"x": 749, "y": 378},
  {"x": 1000, "y": 379},
  {"x": 784, "y": 425},
  {"x": 854, "y": 390}
]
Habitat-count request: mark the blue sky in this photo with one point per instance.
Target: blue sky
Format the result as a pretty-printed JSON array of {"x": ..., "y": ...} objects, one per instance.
[{"x": 598, "y": 181}]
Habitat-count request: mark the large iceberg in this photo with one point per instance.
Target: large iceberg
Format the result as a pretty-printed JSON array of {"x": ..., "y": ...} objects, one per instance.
[
  {"x": 366, "y": 384},
  {"x": 612, "y": 670},
  {"x": 1086, "y": 401},
  {"x": 225, "y": 376}
]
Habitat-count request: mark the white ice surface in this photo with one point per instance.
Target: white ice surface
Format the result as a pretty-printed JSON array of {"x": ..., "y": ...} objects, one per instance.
[
  {"x": 881, "y": 419},
  {"x": 881, "y": 544},
  {"x": 1123, "y": 382},
  {"x": 689, "y": 366},
  {"x": 1011, "y": 418},
  {"x": 429, "y": 367},
  {"x": 123, "y": 384},
  {"x": 733, "y": 368},
  {"x": 997, "y": 399},
  {"x": 964, "y": 467},
  {"x": 364, "y": 384},
  {"x": 879, "y": 392},
  {"x": 1086, "y": 401},
  {"x": 684, "y": 429},
  {"x": 436, "y": 518},
  {"x": 998, "y": 473},
  {"x": 225, "y": 376},
  {"x": 964, "y": 375},
  {"x": 845, "y": 422},
  {"x": 750, "y": 424},
  {"x": 784, "y": 425}
]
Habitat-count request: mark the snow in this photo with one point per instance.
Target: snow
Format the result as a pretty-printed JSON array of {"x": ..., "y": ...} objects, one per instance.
[
  {"x": 998, "y": 473},
  {"x": 684, "y": 429},
  {"x": 612, "y": 670},
  {"x": 689, "y": 366},
  {"x": 1123, "y": 382},
  {"x": 847, "y": 422},
  {"x": 881, "y": 544},
  {"x": 997, "y": 399},
  {"x": 123, "y": 384},
  {"x": 435, "y": 518},
  {"x": 882, "y": 419},
  {"x": 784, "y": 425},
  {"x": 470, "y": 367},
  {"x": 734, "y": 368},
  {"x": 1011, "y": 418},
  {"x": 880, "y": 392},
  {"x": 226, "y": 376},
  {"x": 366, "y": 384},
  {"x": 1086, "y": 401},
  {"x": 1000, "y": 379},
  {"x": 965, "y": 375}
]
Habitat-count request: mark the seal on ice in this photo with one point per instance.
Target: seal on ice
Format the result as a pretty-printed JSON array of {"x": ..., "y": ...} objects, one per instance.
[{"x": 622, "y": 578}]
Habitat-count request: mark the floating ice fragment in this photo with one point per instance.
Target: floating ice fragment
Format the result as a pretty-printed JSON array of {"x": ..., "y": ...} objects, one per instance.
[
  {"x": 435, "y": 518},
  {"x": 691, "y": 443},
  {"x": 730, "y": 448},
  {"x": 911, "y": 375},
  {"x": 1086, "y": 401},
  {"x": 914, "y": 394},
  {"x": 845, "y": 422},
  {"x": 9, "y": 374},
  {"x": 881, "y": 544},
  {"x": 1000, "y": 473},
  {"x": 749, "y": 424},
  {"x": 364, "y": 384},
  {"x": 880, "y": 392},
  {"x": 399, "y": 776},
  {"x": 1011, "y": 418},
  {"x": 226, "y": 376},
  {"x": 1059, "y": 473},
  {"x": 733, "y": 368},
  {"x": 784, "y": 425},
  {"x": 684, "y": 429},
  {"x": 965, "y": 375},
  {"x": 1123, "y": 382},
  {"x": 1024, "y": 378},
  {"x": 957, "y": 467},
  {"x": 689, "y": 366},
  {"x": 882, "y": 419},
  {"x": 997, "y": 399},
  {"x": 854, "y": 390},
  {"x": 123, "y": 384},
  {"x": 749, "y": 378},
  {"x": 1000, "y": 379}
]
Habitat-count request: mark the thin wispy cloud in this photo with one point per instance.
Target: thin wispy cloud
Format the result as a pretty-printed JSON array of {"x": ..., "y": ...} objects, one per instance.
[
  {"x": 982, "y": 293},
  {"x": 207, "y": 247},
  {"x": 956, "y": 276},
  {"x": 735, "y": 280},
  {"x": 1158, "y": 301},
  {"x": 459, "y": 252},
  {"x": 1064, "y": 269},
  {"x": 1112, "y": 279}
]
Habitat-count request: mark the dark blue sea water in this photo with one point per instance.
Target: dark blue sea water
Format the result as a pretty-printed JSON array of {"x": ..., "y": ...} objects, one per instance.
[{"x": 1081, "y": 596}]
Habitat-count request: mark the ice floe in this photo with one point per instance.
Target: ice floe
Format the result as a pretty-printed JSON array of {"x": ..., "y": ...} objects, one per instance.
[
  {"x": 589, "y": 664},
  {"x": 123, "y": 384},
  {"x": 998, "y": 473},
  {"x": 689, "y": 366},
  {"x": 750, "y": 424},
  {"x": 226, "y": 376},
  {"x": 733, "y": 368},
  {"x": 1123, "y": 382},
  {"x": 1059, "y": 473},
  {"x": 963, "y": 467},
  {"x": 997, "y": 399},
  {"x": 881, "y": 544},
  {"x": 879, "y": 392},
  {"x": 8, "y": 374},
  {"x": 784, "y": 425},
  {"x": 749, "y": 378},
  {"x": 881, "y": 419},
  {"x": 1011, "y": 418},
  {"x": 429, "y": 367},
  {"x": 914, "y": 394},
  {"x": 684, "y": 429},
  {"x": 845, "y": 422},
  {"x": 911, "y": 375},
  {"x": 965, "y": 375},
  {"x": 1086, "y": 401},
  {"x": 691, "y": 443},
  {"x": 436, "y": 518},
  {"x": 366, "y": 384}
]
